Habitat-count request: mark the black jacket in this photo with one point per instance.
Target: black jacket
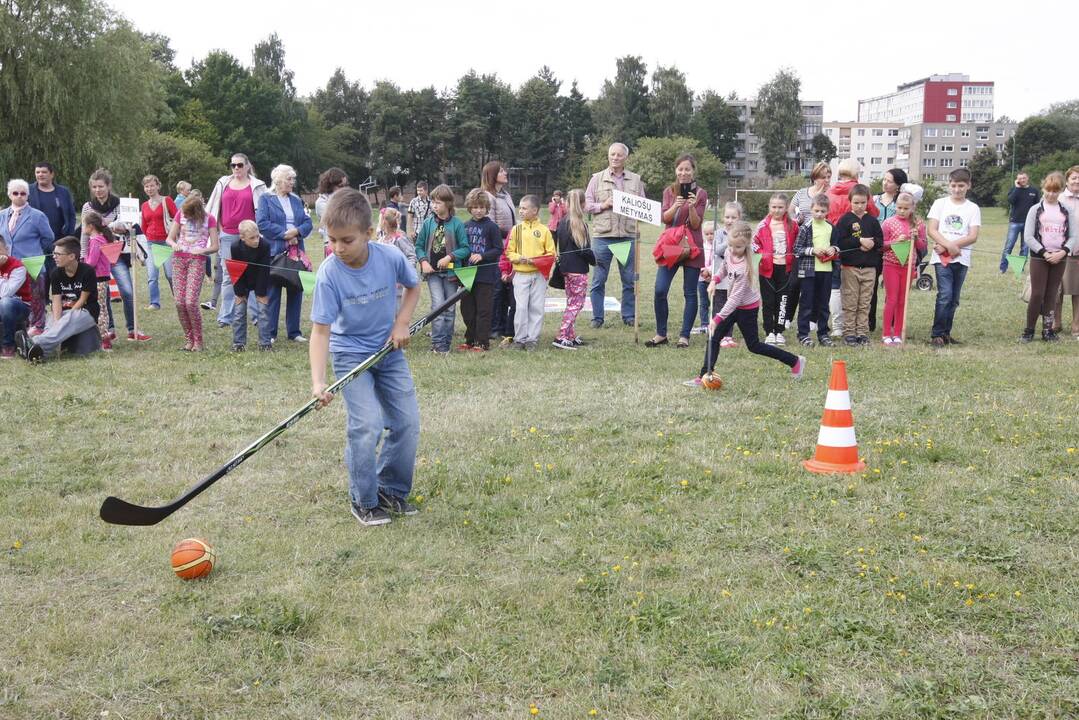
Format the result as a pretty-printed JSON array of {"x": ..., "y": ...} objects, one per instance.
[{"x": 847, "y": 239}]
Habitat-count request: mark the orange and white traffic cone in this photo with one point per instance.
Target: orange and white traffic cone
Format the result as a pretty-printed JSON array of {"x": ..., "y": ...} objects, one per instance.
[{"x": 837, "y": 449}]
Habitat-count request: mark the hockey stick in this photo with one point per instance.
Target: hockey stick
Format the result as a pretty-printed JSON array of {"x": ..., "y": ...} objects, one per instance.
[{"x": 120, "y": 512}]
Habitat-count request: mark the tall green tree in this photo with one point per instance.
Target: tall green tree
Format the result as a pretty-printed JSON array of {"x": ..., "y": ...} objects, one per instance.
[
  {"x": 1040, "y": 135},
  {"x": 986, "y": 174},
  {"x": 654, "y": 160},
  {"x": 479, "y": 125},
  {"x": 823, "y": 148},
  {"x": 778, "y": 119},
  {"x": 269, "y": 58},
  {"x": 342, "y": 105},
  {"x": 389, "y": 120},
  {"x": 716, "y": 125},
  {"x": 426, "y": 133},
  {"x": 670, "y": 103},
  {"x": 78, "y": 87},
  {"x": 575, "y": 129},
  {"x": 622, "y": 109},
  {"x": 537, "y": 141}
]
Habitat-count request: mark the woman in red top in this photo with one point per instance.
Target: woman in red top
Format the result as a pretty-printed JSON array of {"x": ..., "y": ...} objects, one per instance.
[{"x": 157, "y": 215}]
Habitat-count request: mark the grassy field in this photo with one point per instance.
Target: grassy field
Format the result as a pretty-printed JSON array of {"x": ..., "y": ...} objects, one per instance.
[{"x": 595, "y": 539}]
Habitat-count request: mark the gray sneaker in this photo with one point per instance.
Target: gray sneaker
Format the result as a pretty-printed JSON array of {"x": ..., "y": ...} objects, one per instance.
[
  {"x": 395, "y": 505},
  {"x": 370, "y": 516}
]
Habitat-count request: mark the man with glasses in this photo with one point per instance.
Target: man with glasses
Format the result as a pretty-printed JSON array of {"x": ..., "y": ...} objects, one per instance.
[
  {"x": 27, "y": 233},
  {"x": 75, "y": 306}
]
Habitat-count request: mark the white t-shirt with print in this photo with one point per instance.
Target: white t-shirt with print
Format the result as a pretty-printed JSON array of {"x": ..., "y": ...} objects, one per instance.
[{"x": 955, "y": 223}]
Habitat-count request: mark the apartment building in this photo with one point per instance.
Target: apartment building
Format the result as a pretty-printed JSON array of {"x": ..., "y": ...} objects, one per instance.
[
  {"x": 932, "y": 150},
  {"x": 952, "y": 98},
  {"x": 746, "y": 169},
  {"x": 874, "y": 145}
]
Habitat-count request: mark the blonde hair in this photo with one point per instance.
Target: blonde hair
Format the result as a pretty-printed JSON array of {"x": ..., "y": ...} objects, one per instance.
[
  {"x": 849, "y": 168},
  {"x": 183, "y": 187},
  {"x": 736, "y": 206},
  {"x": 575, "y": 212},
  {"x": 248, "y": 226},
  {"x": 741, "y": 230},
  {"x": 391, "y": 220},
  {"x": 708, "y": 226}
]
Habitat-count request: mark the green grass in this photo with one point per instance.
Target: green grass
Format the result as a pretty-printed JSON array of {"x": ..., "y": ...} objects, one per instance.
[{"x": 592, "y": 535}]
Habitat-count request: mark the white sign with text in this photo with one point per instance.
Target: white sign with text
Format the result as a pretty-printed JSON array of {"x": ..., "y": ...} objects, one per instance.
[
  {"x": 638, "y": 208},
  {"x": 129, "y": 211}
]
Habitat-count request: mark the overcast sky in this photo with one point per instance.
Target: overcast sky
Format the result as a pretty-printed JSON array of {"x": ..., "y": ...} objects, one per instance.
[{"x": 857, "y": 51}]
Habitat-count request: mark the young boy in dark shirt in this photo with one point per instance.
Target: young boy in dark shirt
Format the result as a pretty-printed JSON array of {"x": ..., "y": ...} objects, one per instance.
[
  {"x": 255, "y": 251},
  {"x": 74, "y": 303},
  {"x": 485, "y": 248},
  {"x": 861, "y": 242}
]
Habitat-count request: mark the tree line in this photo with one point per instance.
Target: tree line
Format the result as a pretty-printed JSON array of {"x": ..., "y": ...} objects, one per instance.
[{"x": 83, "y": 88}]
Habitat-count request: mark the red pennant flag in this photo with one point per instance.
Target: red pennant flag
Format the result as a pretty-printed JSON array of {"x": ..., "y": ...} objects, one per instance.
[
  {"x": 544, "y": 263},
  {"x": 112, "y": 251},
  {"x": 945, "y": 258},
  {"x": 236, "y": 269}
]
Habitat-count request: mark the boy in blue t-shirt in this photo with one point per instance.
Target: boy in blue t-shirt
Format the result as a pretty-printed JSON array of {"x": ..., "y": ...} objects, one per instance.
[{"x": 353, "y": 315}]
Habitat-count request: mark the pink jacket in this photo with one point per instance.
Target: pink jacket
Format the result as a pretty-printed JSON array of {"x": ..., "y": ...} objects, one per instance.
[
  {"x": 893, "y": 228},
  {"x": 95, "y": 258},
  {"x": 742, "y": 294}
]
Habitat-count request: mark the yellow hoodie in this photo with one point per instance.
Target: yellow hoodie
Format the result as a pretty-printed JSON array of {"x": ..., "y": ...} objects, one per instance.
[{"x": 528, "y": 239}]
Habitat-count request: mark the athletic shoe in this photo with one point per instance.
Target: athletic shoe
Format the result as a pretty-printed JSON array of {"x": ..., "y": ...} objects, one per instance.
[
  {"x": 153, "y": 307},
  {"x": 564, "y": 345},
  {"x": 695, "y": 382},
  {"x": 133, "y": 336},
  {"x": 597, "y": 323},
  {"x": 579, "y": 342},
  {"x": 208, "y": 306},
  {"x": 951, "y": 341},
  {"x": 224, "y": 324},
  {"x": 628, "y": 323},
  {"x": 7, "y": 353},
  {"x": 699, "y": 330},
  {"x": 780, "y": 339},
  {"x": 825, "y": 341},
  {"x": 728, "y": 342},
  {"x": 110, "y": 336},
  {"x": 1050, "y": 336},
  {"x": 863, "y": 341},
  {"x": 22, "y": 344},
  {"x": 479, "y": 349},
  {"x": 298, "y": 339},
  {"x": 106, "y": 344},
  {"x": 437, "y": 351},
  {"x": 530, "y": 347},
  {"x": 507, "y": 342},
  {"x": 770, "y": 339},
  {"x": 266, "y": 348},
  {"x": 799, "y": 368},
  {"x": 238, "y": 348},
  {"x": 887, "y": 340},
  {"x": 938, "y": 342},
  {"x": 35, "y": 331},
  {"x": 370, "y": 516},
  {"x": 395, "y": 505},
  {"x": 850, "y": 341},
  {"x": 896, "y": 340},
  {"x": 806, "y": 340}
]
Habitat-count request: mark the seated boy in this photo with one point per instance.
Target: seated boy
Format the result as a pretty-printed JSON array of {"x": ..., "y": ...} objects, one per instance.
[
  {"x": 252, "y": 249},
  {"x": 73, "y": 286},
  {"x": 353, "y": 315}
]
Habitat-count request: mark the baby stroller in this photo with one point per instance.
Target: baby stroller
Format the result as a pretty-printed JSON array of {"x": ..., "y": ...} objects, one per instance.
[{"x": 924, "y": 280}]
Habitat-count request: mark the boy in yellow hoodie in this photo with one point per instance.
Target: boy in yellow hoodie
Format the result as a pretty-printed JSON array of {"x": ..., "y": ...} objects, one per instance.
[{"x": 529, "y": 239}]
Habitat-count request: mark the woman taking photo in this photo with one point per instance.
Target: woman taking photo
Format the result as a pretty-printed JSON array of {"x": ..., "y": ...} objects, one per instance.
[
  {"x": 684, "y": 204},
  {"x": 104, "y": 203},
  {"x": 235, "y": 198},
  {"x": 284, "y": 224}
]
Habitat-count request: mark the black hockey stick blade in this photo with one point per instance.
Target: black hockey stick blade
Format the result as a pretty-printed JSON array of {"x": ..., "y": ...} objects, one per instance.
[{"x": 120, "y": 512}]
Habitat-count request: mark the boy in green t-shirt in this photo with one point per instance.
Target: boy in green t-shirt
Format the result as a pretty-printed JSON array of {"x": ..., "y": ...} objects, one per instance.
[{"x": 814, "y": 253}]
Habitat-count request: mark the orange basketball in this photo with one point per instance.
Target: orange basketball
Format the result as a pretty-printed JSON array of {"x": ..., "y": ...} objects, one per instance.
[
  {"x": 192, "y": 558},
  {"x": 711, "y": 381}
]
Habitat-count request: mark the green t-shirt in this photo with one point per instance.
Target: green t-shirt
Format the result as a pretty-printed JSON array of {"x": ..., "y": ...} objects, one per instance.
[{"x": 822, "y": 240}]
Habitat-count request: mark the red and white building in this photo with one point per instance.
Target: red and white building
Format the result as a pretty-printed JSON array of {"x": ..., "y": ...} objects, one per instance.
[{"x": 952, "y": 98}]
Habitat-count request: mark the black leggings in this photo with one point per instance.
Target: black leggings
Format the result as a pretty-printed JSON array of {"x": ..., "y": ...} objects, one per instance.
[{"x": 747, "y": 325}]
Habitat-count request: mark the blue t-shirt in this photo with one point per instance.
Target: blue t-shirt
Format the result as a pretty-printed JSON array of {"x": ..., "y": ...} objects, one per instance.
[{"x": 360, "y": 305}]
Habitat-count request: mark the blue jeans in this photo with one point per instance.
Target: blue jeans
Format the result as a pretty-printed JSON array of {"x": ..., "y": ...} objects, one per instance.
[
  {"x": 442, "y": 326},
  {"x": 702, "y": 301},
  {"x": 1015, "y": 232},
  {"x": 227, "y": 298},
  {"x": 153, "y": 275},
  {"x": 384, "y": 397},
  {"x": 272, "y": 310},
  {"x": 121, "y": 273},
  {"x": 239, "y": 323},
  {"x": 13, "y": 315},
  {"x": 664, "y": 278},
  {"x": 949, "y": 284},
  {"x": 602, "y": 249}
]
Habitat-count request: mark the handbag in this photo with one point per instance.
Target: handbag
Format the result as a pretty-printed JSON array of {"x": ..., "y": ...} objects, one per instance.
[
  {"x": 284, "y": 271},
  {"x": 557, "y": 279}
]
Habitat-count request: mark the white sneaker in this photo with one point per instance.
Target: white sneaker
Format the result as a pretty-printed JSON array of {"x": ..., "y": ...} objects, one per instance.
[
  {"x": 770, "y": 339},
  {"x": 887, "y": 340},
  {"x": 780, "y": 339},
  {"x": 298, "y": 339}
]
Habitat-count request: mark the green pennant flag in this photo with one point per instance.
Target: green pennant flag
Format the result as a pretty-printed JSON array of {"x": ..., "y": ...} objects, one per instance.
[
  {"x": 621, "y": 251},
  {"x": 1016, "y": 262},
  {"x": 33, "y": 265},
  {"x": 902, "y": 251},
  {"x": 160, "y": 254},
  {"x": 307, "y": 279},
  {"x": 467, "y": 276}
]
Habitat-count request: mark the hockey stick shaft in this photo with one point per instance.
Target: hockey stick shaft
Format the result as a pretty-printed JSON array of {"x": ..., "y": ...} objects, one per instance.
[{"x": 120, "y": 512}]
